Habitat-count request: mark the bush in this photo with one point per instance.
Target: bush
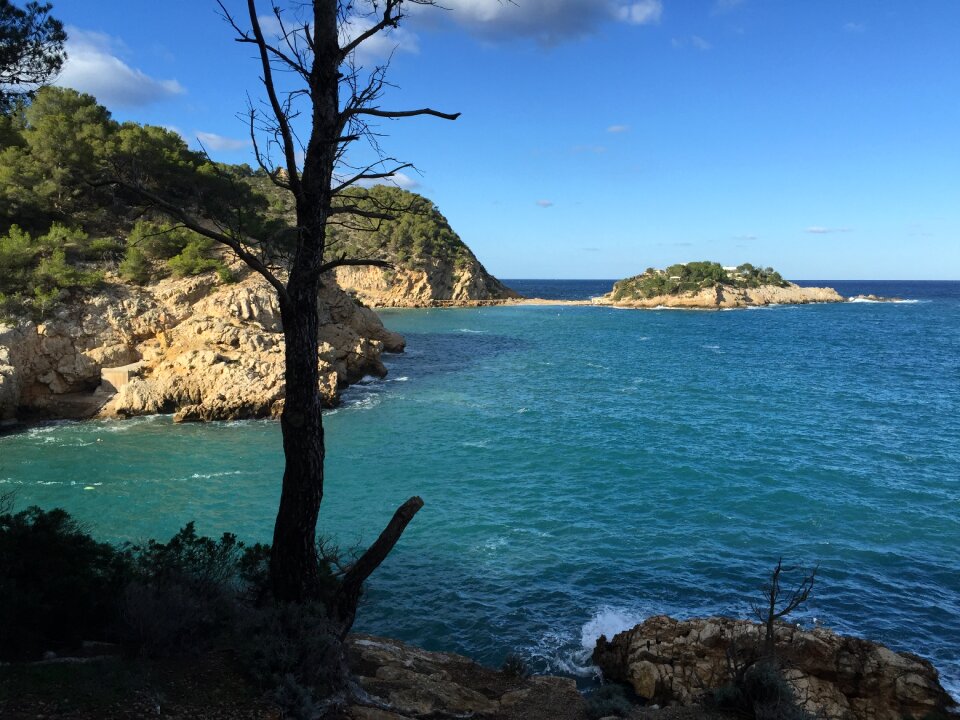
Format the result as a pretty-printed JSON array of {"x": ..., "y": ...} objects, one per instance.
[
  {"x": 514, "y": 667},
  {"x": 58, "y": 586},
  {"x": 763, "y": 693},
  {"x": 135, "y": 266},
  {"x": 608, "y": 700},
  {"x": 294, "y": 652},
  {"x": 184, "y": 592},
  {"x": 194, "y": 259}
]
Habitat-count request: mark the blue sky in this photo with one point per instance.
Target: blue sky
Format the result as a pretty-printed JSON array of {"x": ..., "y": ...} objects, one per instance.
[{"x": 600, "y": 137}]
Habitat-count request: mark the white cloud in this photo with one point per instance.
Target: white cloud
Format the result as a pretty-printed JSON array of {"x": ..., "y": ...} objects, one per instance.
[
  {"x": 641, "y": 13},
  {"x": 699, "y": 43},
  {"x": 820, "y": 230},
  {"x": 721, "y": 6},
  {"x": 618, "y": 128},
  {"x": 403, "y": 181},
  {"x": 93, "y": 67},
  {"x": 212, "y": 141},
  {"x": 854, "y": 27},
  {"x": 545, "y": 203},
  {"x": 547, "y": 21}
]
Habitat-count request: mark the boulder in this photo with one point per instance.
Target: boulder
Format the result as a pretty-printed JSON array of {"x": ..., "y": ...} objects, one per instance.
[
  {"x": 667, "y": 661},
  {"x": 406, "y": 682}
]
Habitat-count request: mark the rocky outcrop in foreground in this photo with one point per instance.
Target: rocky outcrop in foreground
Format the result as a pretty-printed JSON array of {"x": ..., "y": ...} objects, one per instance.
[
  {"x": 405, "y": 682},
  {"x": 728, "y": 296},
  {"x": 667, "y": 661},
  {"x": 196, "y": 347}
]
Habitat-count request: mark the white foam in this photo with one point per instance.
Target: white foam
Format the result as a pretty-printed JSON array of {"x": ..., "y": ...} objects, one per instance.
[
  {"x": 209, "y": 476},
  {"x": 473, "y": 332},
  {"x": 607, "y": 621},
  {"x": 400, "y": 379}
]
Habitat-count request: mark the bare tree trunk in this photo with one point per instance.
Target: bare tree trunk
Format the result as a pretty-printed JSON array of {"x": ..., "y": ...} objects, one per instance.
[{"x": 293, "y": 559}]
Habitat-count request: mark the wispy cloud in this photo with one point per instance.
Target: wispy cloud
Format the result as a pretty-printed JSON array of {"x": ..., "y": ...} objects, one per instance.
[
  {"x": 93, "y": 66},
  {"x": 398, "y": 179},
  {"x": 820, "y": 230},
  {"x": 854, "y": 27},
  {"x": 592, "y": 149},
  {"x": 694, "y": 41},
  {"x": 722, "y": 6},
  {"x": 699, "y": 43},
  {"x": 547, "y": 21},
  {"x": 545, "y": 203},
  {"x": 618, "y": 128},
  {"x": 212, "y": 141},
  {"x": 745, "y": 237}
]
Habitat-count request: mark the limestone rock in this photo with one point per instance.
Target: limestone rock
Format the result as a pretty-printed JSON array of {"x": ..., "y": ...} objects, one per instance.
[
  {"x": 837, "y": 677},
  {"x": 727, "y": 296},
  {"x": 437, "y": 283},
  {"x": 407, "y": 682},
  {"x": 208, "y": 351}
]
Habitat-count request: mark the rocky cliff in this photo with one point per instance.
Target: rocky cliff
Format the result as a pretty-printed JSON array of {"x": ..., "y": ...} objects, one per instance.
[
  {"x": 729, "y": 296},
  {"x": 193, "y": 346},
  {"x": 431, "y": 264},
  {"x": 434, "y": 283},
  {"x": 667, "y": 661}
]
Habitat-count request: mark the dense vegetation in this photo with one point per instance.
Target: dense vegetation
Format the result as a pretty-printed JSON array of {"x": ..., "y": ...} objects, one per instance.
[
  {"x": 62, "y": 227},
  {"x": 691, "y": 277},
  {"x": 59, "y": 587},
  {"x": 412, "y": 234}
]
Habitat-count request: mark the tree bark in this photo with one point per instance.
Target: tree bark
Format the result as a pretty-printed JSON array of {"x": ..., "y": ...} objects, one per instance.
[{"x": 294, "y": 571}]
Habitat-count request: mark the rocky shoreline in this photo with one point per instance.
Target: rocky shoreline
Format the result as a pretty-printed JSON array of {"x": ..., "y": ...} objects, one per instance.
[
  {"x": 193, "y": 347},
  {"x": 728, "y": 296}
]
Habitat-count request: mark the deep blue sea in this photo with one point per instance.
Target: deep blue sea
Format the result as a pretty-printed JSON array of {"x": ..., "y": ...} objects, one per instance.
[{"x": 585, "y": 467}]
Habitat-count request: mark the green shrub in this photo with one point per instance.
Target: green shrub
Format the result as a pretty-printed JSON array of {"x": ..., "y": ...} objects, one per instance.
[
  {"x": 159, "y": 241},
  {"x": 608, "y": 700},
  {"x": 194, "y": 259},
  {"x": 135, "y": 266},
  {"x": 184, "y": 592},
  {"x": 294, "y": 652},
  {"x": 58, "y": 586},
  {"x": 762, "y": 693}
]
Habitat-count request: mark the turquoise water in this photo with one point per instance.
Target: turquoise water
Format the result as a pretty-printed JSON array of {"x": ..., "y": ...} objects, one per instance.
[{"x": 585, "y": 467}]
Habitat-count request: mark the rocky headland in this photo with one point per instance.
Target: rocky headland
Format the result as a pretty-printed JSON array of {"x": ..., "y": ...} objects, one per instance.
[
  {"x": 195, "y": 347},
  {"x": 431, "y": 265},
  {"x": 672, "y": 662}
]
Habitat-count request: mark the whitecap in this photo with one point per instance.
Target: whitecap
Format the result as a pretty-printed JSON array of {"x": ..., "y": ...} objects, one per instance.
[
  {"x": 475, "y": 443},
  {"x": 399, "y": 379},
  {"x": 473, "y": 332},
  {"x": 208, "y": 476}
]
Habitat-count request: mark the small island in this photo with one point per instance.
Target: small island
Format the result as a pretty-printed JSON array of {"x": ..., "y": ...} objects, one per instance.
[{"x": 710, "y": 285}]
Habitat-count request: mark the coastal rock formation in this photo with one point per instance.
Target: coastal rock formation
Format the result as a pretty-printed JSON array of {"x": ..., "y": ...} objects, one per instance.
[
  {"x": 205, "y": 351},
  {"x": 406, "y": 682},
  {"x": 439, "y": 283},
  {"x": 667, "y": 661},
  {"x": 728, "y": 296},
  {"x": 431, "y": 265}
]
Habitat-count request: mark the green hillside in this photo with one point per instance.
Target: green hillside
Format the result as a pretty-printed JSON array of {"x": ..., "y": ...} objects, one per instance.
[{"x": 691, "y": 277}]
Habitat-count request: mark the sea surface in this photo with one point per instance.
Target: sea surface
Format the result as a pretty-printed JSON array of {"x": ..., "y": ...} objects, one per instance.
[{"x": 586, "y": 467}]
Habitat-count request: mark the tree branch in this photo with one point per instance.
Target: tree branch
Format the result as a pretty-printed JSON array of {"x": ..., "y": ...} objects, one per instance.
[
  {"x": 283, "y": 122},
  {"x": 401, "y": 113},
  {"x": 348, "y": 595},
  {"x": 190, "y": 222}
]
